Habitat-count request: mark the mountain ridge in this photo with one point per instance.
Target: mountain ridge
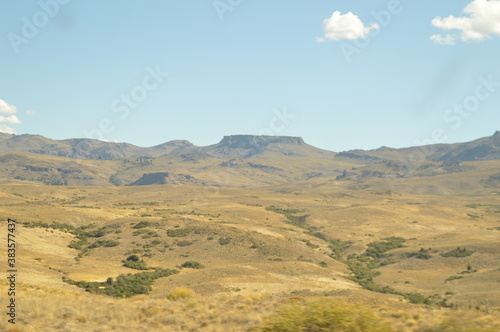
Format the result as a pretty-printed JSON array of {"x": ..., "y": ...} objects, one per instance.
[{"x": 247, "y": 146}]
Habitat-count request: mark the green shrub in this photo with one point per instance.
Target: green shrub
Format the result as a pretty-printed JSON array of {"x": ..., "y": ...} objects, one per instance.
[
  {"x": 323, "y": 315},
  {"x": 276, "y": 209},
  {"x": 337, "y": 247},
  {"x": 459, "y": 252},
  {"x": 184, "y": 243},
  {"x": 179, "y": 232},
  {"x": 124, "y": 285},
  {"x": 104, "y": 243},
  {"x": 133, "y": 258},
  {"x": 78, "y": 244},
  {"x": 421, "y": 254},
  {"x": 193, "y": 265},
  {"x": 153, "y": 243},
  {"x": 97, "y": 233},
  {"x": 134, "y": 262},
  {"x": 453, "y": 278},
  {"x": 140, "y": 265},
  {"x": 142, "y": 224},
  {"x": 377, "y": 249},
  {"x": 224, "y": 240},
  {"x": 416, "y": 298}
]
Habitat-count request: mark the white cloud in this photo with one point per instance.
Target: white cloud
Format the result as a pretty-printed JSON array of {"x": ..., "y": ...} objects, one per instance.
[
  {"x": 444, "y": 40},
  {"x": 481, "y": 21},
  {"x": 9, "y": 119},
  {"x": 346, "y": 26},
  {"x": 6, "y": 130},
  {"x": 31, "y": 112},
  {"x": 6, "y": 108}
]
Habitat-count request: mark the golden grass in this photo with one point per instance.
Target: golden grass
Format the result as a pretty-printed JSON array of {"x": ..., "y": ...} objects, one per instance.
[
  {"x": 266, "y": 260},
  {"x": 181, "y": 294},
  {"x": 53, "y": 309}
]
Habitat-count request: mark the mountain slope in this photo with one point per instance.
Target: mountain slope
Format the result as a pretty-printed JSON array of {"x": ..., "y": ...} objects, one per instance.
[
  {"x": 248, "y": 146},
  {"x": 82, "y": 148},
  {"x": 487, "y": 148}
]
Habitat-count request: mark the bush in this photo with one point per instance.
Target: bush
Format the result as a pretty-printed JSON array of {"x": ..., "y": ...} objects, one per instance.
[
  {"x": 124, "y": 285},
  {"x": 416, "y": 298},
  {"x": 323, "y": 315},
  {"x": 104, "y": 243},
  {"x": 134, "y": 262},
  {"x": 421, "y": 254},
  {"x": 276, "y": 209},
  {"x": 193, "y": 265},
  {"x": 179, "y": 232},
  {"x": 377, "y": 249},
  {"x": 97, "y": 233},
  {"x": 181, "y": 293},
  {"x": 133, "y": 258},
  {"x": 184, "y": 243},
  {"x": 140, "y": 265},
  {"x": 78, "y": 244},
  {"x": 142, "y": 224},
  {"x": 224, "y": 240},
  {"x": 337, "y": 247},
  {"x": 459, "y": 252}
]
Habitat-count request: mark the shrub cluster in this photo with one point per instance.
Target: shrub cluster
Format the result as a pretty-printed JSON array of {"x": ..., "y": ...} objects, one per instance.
[
  {"x": 459, "y": 252},
  {"x": 421, "y": 254},
  {"x": 125, "y": 285},
  {"x": 377, "y": 249},
  {"x": 224, "y": 240},
  {"x": 104, "y": 243},
  {"x": 193, "y": 265},
  {"x": 141, "y": 224},
  {"x": 134, "y": 262},
  {"x": 181, "y": 232}
]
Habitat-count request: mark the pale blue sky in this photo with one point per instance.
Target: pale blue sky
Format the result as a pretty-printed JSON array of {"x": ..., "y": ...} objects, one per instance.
[{"x": 234, "y": 75}]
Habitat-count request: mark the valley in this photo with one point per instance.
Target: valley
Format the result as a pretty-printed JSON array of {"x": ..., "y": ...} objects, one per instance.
[{"x": 249, "y": 226}]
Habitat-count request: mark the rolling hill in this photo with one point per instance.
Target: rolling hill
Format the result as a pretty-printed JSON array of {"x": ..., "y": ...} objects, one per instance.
[{"x": 248, "y": 224}]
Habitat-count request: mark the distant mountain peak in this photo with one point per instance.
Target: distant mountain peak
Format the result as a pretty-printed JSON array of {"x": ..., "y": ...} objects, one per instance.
[
  {"x": 174, "y": 143},
  {"x": 252, "y": 141}
]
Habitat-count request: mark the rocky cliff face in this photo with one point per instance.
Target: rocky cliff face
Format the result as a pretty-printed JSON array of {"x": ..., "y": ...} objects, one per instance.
[{"x": 247, "y": 146}]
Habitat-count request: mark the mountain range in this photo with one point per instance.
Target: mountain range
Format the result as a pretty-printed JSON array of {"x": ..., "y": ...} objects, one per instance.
[
  {"x": 248, "y": 160},
  {"x": 242, "y": 146}
]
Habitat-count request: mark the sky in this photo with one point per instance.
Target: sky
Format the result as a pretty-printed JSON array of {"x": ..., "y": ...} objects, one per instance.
[{"x": 343, "y": 74}]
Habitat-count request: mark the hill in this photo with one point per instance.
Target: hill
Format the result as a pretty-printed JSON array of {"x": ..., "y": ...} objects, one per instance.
[
  {"x": 216, "y": 237},
  {"x": 487, "y": 148}
]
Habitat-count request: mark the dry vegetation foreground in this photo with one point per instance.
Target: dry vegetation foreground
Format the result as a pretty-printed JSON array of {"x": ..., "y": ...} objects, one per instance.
[
  {"x": 52, "y": 309},
  {"x": 279, "y": 259}
]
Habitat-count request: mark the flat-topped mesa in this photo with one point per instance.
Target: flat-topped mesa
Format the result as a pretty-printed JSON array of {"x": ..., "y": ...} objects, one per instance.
[{"x": 251, "y": 141}]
